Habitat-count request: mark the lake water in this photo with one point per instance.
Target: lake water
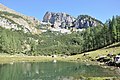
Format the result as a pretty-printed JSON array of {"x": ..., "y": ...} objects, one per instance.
[{"x": 51, "y": 71}]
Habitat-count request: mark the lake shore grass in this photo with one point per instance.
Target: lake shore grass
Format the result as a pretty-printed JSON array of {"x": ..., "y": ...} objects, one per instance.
[
  {"x": 102, "y": 78},
  {"x": 13, "y": 58}
]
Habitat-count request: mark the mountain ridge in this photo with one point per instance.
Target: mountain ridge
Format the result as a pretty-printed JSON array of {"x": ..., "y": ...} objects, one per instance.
[
  {"x": 64, "y": 20},
  {"x": 54, "y": 20}
]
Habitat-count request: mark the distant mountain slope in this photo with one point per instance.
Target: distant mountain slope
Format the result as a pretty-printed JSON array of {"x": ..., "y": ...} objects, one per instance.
[{"x": 11, "y": 19}]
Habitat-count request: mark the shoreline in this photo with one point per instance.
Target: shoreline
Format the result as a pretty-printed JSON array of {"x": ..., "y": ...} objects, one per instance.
[
  {"x": 77, "y": 58},
  {"x": 6, "y": 59},
  {"x": 14, "y": 58}
]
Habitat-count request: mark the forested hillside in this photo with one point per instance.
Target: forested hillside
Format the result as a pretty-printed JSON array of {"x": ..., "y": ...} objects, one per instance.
[{"x": 50, "y": 42}]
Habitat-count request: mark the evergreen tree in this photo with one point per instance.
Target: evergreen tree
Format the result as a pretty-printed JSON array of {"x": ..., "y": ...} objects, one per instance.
[{"x": 114, "y": 30}]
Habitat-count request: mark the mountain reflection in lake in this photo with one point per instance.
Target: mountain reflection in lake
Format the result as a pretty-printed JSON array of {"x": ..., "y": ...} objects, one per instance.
[{"x": 51, "y": 71}]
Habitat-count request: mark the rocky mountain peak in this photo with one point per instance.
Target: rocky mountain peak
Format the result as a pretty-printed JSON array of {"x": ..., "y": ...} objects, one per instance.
[
  {"x": 85, "y": 21},
  {"x": 62, "y": 20}
]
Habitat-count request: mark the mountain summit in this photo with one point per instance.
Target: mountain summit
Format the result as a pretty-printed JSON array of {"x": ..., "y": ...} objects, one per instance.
[
  {"x": 85, "y": 21},
  {"x": 63, "y": 20}
]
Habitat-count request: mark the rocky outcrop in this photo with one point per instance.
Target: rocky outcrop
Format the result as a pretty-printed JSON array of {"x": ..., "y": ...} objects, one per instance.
[
  {"x": 61, "y": 20},
  {"x": 8, "y": 24},
  {"x": 11, "y": 19},
  {"x": 85, "y": 21}
]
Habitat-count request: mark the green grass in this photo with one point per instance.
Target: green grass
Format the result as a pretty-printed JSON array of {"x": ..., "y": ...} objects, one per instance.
[
  {"x": 102, "y": 78},
  {"x": 114, "y": 49}
]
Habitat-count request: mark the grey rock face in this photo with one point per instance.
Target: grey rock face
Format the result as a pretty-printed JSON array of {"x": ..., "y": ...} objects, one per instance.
[
  {"x": 85, "y": 21},
  {"x": 61, "y": 20},
  {"x": 8, "y": 24}
]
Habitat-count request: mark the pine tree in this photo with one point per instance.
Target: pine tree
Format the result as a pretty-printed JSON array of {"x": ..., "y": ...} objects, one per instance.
[
  {"x": 114, "y": 30},
  {"x": 118, "y": 27}
]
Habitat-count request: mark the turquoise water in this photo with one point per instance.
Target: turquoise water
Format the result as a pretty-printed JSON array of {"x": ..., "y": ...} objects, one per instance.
[{"x": 51, "y": 71}]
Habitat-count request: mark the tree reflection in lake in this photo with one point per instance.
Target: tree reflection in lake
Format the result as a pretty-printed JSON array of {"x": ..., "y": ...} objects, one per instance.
[{"x": 52, "y": 71}]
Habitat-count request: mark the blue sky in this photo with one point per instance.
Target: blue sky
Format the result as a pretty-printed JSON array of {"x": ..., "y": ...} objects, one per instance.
[{"x": 100, "y": 9}]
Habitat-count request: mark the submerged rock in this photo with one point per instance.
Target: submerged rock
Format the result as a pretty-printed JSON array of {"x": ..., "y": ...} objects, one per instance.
[{"x": 54, "y": 61}]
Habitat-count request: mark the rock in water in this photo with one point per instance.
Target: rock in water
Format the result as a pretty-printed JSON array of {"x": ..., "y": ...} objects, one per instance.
[{"x": 54, "y": 61}]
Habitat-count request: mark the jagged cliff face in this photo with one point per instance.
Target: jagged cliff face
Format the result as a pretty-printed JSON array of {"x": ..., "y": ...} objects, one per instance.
[
  {"x": 11, "y": 19},
  {"x": 61, "y": 20},
  {"x": 85, "y": 21}
]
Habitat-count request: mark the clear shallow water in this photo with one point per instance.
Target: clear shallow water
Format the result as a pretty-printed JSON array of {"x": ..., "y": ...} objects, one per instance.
[{"x": 51, "y": 71}]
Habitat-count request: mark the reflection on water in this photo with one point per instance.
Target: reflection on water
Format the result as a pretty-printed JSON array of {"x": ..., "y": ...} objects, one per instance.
[{"x": 51, "y": 71}]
